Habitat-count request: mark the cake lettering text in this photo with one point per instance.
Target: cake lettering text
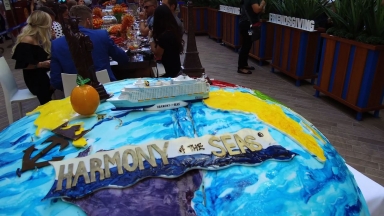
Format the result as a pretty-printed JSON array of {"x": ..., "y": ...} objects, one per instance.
[
  {"x": 248, "y": 142},
  {"x": 129, "y": 164},
  {"x": 137, "y": 156}
]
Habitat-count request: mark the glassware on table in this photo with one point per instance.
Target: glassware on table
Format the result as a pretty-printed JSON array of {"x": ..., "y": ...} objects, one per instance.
[
  {"x": 135, "y": 43},
  {"x": 108, "y": 21}
]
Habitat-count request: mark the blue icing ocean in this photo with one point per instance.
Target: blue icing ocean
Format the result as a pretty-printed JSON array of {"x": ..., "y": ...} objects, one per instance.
[{"x": 273, "y": 188}]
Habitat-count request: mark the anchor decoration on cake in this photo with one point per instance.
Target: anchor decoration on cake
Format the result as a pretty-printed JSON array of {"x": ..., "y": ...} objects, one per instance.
[{"x": 31, "y": 163}]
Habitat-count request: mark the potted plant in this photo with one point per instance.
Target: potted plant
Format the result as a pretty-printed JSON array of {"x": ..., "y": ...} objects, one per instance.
[
  {"x": 199, "y": 15},
  {"x": 352, "y": 57},
  {"x": 214, "y": 19},
  {"x": 231, "y": 34},
  {"x": 262, "y": 49},
  {"x": 296, "y": 51}
]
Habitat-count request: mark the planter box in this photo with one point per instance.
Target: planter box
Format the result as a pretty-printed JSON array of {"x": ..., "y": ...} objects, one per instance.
[
  {"x": 352, "y": 73},
  {"x": 200, "y": 19},
  {"x": 215, "y": 24},
  {"x": 296, "y": 52},
  {"x": 262, "y": 49},
  {"x": 231, "y": 34}
]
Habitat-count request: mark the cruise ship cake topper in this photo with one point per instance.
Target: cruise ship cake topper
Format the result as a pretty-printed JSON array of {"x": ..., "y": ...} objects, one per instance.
[{"x": 162, "y": 94}]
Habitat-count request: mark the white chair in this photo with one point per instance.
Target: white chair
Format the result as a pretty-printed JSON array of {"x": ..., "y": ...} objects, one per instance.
[
  {"x": 11, "y": 93},
  {"x": 69, "y": 80},
  {"x": 159, "y": 70}
]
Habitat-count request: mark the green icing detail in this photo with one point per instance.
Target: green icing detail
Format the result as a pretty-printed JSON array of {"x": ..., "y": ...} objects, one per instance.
[
  {"x": 265, "y": 97},
  {"x": 81, "y": 81}
]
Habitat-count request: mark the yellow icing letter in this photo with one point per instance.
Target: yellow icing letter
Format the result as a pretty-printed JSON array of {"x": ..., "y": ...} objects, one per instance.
[
  {"x": 229, "y": 146},
  {"x": 217, "y": 153},
  {"x": 254, "y": 146},
  {"x": 95, "y": 165},
  {"x": 126, "y": 165},
  {"x": 63, "y": 176}
]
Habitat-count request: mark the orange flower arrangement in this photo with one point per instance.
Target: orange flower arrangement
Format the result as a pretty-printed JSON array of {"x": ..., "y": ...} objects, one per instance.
[
  {"x": 117, "y": 9},
  {"x": 123, "y": 5},
  {"x": 127, "y": 22},
  {"x": 118, "y": 12},
  {"x": 97, "y": 12},
  {"x": 97, "y": 22},
  {"x": 115, "y": 29}
]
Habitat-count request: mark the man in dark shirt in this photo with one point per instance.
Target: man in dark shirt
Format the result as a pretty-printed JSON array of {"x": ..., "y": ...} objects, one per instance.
[{"x": 172, "y": 4}]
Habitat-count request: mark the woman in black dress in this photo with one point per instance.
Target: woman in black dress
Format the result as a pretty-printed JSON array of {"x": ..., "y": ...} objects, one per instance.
[
  {"x": 167, "y": 44},
  {"x": 32, "y": 51}
]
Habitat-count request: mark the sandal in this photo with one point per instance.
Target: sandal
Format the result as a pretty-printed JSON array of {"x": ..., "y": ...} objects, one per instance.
[
  {"x": 244, "y": 71},
  {"x": 249, "y": 67}
]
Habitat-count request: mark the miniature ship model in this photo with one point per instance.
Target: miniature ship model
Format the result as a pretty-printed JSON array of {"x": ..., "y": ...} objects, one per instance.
[{"x": 162, "y": 94}]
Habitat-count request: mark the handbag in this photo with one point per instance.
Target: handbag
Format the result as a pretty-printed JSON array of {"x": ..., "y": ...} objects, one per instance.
[{"x": 256, "y": 27}]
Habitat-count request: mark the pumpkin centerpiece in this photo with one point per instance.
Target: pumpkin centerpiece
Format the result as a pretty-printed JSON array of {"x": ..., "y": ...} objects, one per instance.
[{"x": 84, "y": 98}]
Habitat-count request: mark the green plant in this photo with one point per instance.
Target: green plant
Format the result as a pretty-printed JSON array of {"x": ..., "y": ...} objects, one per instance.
[
  {"x": 198, "y": 3},
  {"x": 214, "y": 4},
  {"x": 361, "y": 20},
  {"x": 374, "y": 19},
  {"x": 269, "y": 8},
  {"x": 306, "y": 9},
  {"x": 233, "y": 3}
]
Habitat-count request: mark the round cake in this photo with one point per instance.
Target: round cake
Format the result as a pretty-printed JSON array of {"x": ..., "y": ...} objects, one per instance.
[{"x": 238, "y": 152}]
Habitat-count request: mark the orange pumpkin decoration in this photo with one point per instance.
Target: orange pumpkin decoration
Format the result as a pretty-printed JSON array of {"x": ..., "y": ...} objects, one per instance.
[{"x": 84, "y": 98}]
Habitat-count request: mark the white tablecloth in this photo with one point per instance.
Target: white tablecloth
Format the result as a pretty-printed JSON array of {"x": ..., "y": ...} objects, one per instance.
[{"x": 372, "y": 192}]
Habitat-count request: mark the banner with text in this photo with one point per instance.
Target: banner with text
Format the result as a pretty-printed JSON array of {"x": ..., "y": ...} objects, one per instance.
[
  {"x": 303, "y": 24},
  {"x": 127, "y": 165}
]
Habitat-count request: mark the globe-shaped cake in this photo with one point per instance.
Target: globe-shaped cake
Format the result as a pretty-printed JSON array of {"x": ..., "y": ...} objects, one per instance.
[{"x": 301, "y": 174}]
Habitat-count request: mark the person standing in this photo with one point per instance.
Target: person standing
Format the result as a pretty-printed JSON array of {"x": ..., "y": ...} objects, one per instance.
[
  {"x": 166, "y": 43},
  {"x": 172, "y": 4},
  {"x": 31, "y": 52},
  {"x": 250, "y": 12},
  {"x": 2, "y": 28}
]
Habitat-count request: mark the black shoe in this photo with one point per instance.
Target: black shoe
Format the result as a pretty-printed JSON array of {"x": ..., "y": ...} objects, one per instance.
[
  {"x": 244, "y": 71},
  {"x": 249, "y": 67}
]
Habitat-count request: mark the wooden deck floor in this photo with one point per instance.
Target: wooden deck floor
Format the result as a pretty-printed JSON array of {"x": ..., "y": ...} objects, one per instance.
[{"x": 360, "y": 143}]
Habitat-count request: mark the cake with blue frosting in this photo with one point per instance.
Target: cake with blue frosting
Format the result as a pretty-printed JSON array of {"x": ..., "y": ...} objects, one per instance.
[{"x": 238, "y": 152}]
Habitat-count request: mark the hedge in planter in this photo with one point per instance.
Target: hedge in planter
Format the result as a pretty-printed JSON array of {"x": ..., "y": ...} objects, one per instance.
[
  {"x": 351, "y": 70},
  {"x": 296, "y": 51},
  {"x": 352, "y": 73}
]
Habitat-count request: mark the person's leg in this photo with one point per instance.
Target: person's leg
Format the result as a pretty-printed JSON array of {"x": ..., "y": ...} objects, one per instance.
[
  {"x": 38, "y": 84},
  {"x": 245, "y": 48}
]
